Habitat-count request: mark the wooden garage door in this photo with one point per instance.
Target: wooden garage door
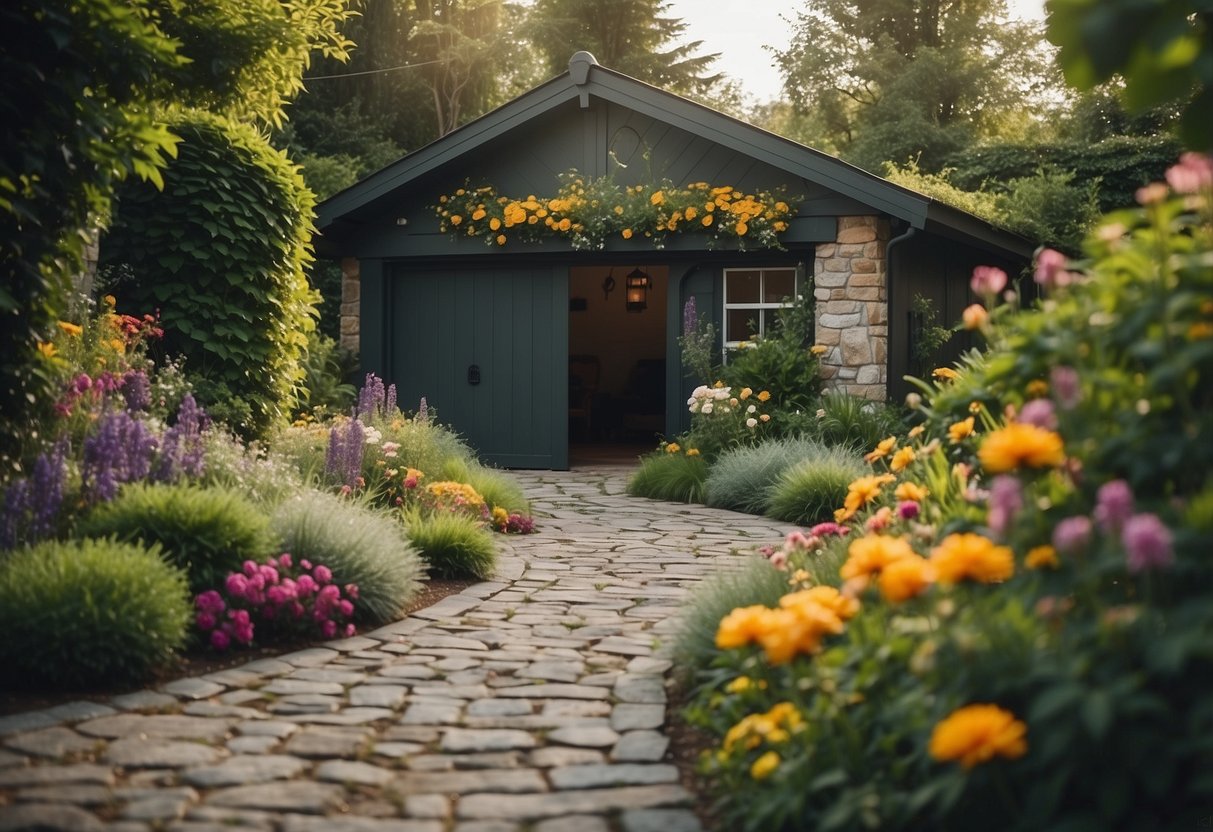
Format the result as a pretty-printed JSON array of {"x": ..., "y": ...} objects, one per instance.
[{"x": 488, "y": 348}]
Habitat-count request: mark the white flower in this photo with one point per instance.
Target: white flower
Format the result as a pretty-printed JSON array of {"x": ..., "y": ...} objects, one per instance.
[
  {"x": 751, "y": 422},
  {"x": 372, "y": 436},
  {"x": 821, "y": 413},
  {"x": 751, "y": 408},
  {"x": 707, "y": 407}
]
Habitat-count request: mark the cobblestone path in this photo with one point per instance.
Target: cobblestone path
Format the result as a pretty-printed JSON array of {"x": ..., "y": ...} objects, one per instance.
[{"x": 533, "y": 702}]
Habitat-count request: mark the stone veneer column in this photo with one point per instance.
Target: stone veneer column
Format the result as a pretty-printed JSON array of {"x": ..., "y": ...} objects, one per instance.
[
  {"x": 852, "y": 310},
  {"x": 350, "y": 299}
]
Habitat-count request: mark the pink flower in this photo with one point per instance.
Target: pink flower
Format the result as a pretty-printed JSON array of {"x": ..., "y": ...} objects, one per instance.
[
  {"x": 220, "y": 640},
  {"x": 346, "y": 607},
  {"x": 82, "y": 383},
  {"x": 988, "y": 280},
  {"x": 236, "y": 585},
  {"x": 349, "y": 631},
  {"x": 305, "y": 586},
  {"x": 779, "y": 559},
  {"x": 328, "y": 628},
  {"x": 1039, "y": 412},
  {"x": 249, "y": 568},
  {"x": 323, "y": 574},
  {"x": 907, "y": 509},
  {"x": 1051, "y": 269},
  {"x": 305, "y": 564},
  {"x": 284, "y": 560},
  {"x": 239, "y": 617},
  {"x": 1067, "y": 386},
  {"x": 269, "y": 573},
  {"x": 1113, "y": 506},
  {"x": 827, "y": 529},
  {"x": 210, "y": 601},
  {"x": 352, "y": 591},
  {"x": 277, "y": 595},
  {"x": 1193, "y": 173},
  {"x": 1072, "y": 535},
  {"x": 1147, "y": 543},
  {"x": 1006, "y": 501},
  {"x": 205, "y": 621}
]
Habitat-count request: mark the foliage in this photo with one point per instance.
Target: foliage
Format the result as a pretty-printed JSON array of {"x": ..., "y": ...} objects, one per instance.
[
  {"x": 697, "y": 343},
  {"x": 498, "y": 488},
  {"x": 220, "y": 252},
  {"x": 724, "y": 418},
  {"x": 264, "y": 477},
  {"x": 1051, "y": 208},
  {"x": 326, "y": 366},
  {"x": 1162, "y": 51},
  {"x": 852, "y": 422},
  {"x": 809, "y": 491},
  {"x": 670, "y": 475},
  {"x": 740, "y": 478},
  {"x": 207, "y": 532},
  {"x": 64, "y": 154},
  {"x": 290, "y": 597},
  {"x": 635, "y": 37},
  {"x": 453, "y": 545},
  {"x": 361, "y": 545},
  {"x": 86, "y": 613},
  {"x": 588, "y": 212},
  {"x": 895, "y": 80},
  {"x": 932, "y": 337},
  {"x": 783, "y": 362},
  {"x": 941, "y": 186},
  {"x": 1024, "y": 589}
]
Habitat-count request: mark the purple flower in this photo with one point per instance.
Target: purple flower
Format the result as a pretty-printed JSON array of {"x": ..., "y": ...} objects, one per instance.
[
  {"x": 423, "y": 411},
  {"x": 371, "y": 398},
  {"x": 690, "y": 318},
  {"x": 182, "y": 452},
  {"x": 907, "y": 509},
  {"x": 136, "y": 391},
  {"x": 343, "y": 461},
  {"x": 1067, "y": 387},
  {"x": 1148, "y": 543},
  {"x": 1039, "y": 412},
  {"x": 1072, "y": 535},
  {"x": 120, "y": 451},
  {"x": 389, "y": 404},
  {"x": 1006, "y": 501},
  {"x": 1113, "y": 506}
]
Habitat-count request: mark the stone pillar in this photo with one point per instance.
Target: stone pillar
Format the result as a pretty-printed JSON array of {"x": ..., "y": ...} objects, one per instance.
[
  {"x": 350, "y": 299},
  {"x": 852, "y": 310}
]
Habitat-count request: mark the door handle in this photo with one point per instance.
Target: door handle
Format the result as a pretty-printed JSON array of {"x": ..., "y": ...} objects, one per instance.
[{"x": 473, "y": 374}]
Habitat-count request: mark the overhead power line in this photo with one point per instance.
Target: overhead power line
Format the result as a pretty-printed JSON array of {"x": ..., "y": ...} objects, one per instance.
[{"x": 369, "y": 71}]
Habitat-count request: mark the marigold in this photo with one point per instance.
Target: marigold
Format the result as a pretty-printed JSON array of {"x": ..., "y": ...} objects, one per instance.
[
  {"x": 626, "y": 233},
  {"x": 905, "y": 578},
  {"x": 742, "y": 626},
  {"x": 945, "y": 374},
  {"x": 673, "y": 448},
  {"x": 764, "y": 396},
  {"x": 1020, "y": 445},
  {"x": 911, "y": 491},
  {"x": 765, "y": 765},
  {"x": 70, "y": 328},
  {"x": 916, "y": 431},
  {"x": 826, "y": 596},
  {"x": 796, "y": 630},
  {"x": 883, "y": 449},
  {"x": 692, "y": 452},
  {"x": 901, "y": 459},
  {"x": 861, "y": 492},
  {"x": 870, "y": 554},
  {"x": 961, "y": 430},
  {"x": 1042, "y": 557},
  {"x": 977, "y": 734},
  {"x": 745, "y": 393},
  {"x": 971, "y": 556},
  {"x": 819, "y": 349},
  {"x": 500, "y": 239},
  {"x": 1037, "y": 388}
]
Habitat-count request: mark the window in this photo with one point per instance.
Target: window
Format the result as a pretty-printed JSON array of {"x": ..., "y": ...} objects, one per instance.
[{"x": 752, "y": 298}]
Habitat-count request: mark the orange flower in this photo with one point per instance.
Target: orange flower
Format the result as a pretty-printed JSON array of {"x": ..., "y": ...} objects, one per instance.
[
  {"x": 500, "y": 239},
  {"x": 977, "y": 734},
  {"x": 905, "y": 578},
  {"x": 626, "y": 233},
  {"x": 861, "y": 492},
  {"x": 70, "y": 328},
  {"x": 869, "y": 555},
  {"x": 742, "y": 626},
  {"x": 971, "y": 556},
  {"x": 911, "y": 491},
  {"x": 797, "y": 630},
  {"x": 974, "y": 316},
  {"x": 764, "y": 396},
  {"x": 1038, "y": 389},
  {"x": 959, "y": 431},
  {"x": 1020, "y": 445},
  {"x": 825, "y": 596},
  {"x": 945, "y": 374},
  {"x": 1042, "y": 557},
  {"x": 901, "y": 459},
  {"x": 883, "y": 449}
]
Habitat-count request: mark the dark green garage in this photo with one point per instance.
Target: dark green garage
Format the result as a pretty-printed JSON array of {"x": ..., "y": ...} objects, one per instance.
[{"x": 514, "y": 344}]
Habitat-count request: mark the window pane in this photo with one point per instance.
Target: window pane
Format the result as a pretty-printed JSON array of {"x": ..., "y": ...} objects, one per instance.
[
  {"x": 739, "y": 324},
  {"x": 778, "y": 284},
  {"x": 741, "y": 287}
]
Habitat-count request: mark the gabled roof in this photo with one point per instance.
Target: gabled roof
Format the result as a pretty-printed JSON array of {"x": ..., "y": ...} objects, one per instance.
[{"x": 586, "y": 78}]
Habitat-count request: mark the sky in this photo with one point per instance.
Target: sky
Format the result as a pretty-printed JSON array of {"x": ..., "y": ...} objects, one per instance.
[{"x": 738, "y": 29}]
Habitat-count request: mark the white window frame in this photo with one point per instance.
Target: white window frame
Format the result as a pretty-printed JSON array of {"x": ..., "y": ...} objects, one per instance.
[{"x": 756, "y": 307}]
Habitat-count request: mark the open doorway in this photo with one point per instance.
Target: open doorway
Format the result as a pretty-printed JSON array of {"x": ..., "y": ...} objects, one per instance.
[{"x": 617, "y": 349}]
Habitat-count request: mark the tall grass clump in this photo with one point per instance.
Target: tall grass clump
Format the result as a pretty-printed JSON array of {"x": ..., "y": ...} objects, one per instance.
[
  {"x": 90, "y": 612},
  {"x": 498, "y": 488},
  {"x": 676, "y": 477},
  {"x": 453, "y": 545},
  {"x": 856, "y": 423},
  {"x": 810, "y": 490},
  {"x": 741, "y": 478},
  {"x": 207, "y": 532},
  {"x": 359, "y": 544}
]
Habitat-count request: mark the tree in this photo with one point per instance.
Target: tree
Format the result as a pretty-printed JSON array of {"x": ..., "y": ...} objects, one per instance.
[
  {"x": 891, "y": 80},
  {"x": 635, "y": 37}
]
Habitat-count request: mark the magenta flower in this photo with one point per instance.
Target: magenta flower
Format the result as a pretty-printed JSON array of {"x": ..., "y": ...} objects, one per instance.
[
  {"x": 211, "y": 602},
  {"x": 236, "y": 585},
  {"x": 1114, "y": 506},
  {"x": 220, "y": 640},
  {"x": 346, "y": 607},
  {"x": 284, "y": 560},
  {"x": 1039, "y": 412},
  {"x": 827, "y": 529},
  {"x": 249, "y": 568},
  {"x": 349, "y": 631},
  {"x": 1148, "y": 543},
  {"x": 323, "y": 574},
  {"x": 205, "y": 621},
  {"x": 1072, "y": 535},
  {"x": 329, "y": 628},
  {"x": 1006, "y": 501},
  {"x": 988, "y": 280},
  {"x": 305, "y": 586},
  {"x": 908, "y": 509}
]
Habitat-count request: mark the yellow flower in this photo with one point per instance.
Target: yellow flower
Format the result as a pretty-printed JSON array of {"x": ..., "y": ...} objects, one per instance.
[
  {"x": 110, "y": 301},
  {"x": 819, "y": 349},
  {"x": 673, "y": 448},
  {"x": 740, "y": 685},
  {"x": 565, "y": 224},
  {"x": 707, "y": 220},
  {"x": 495, "y": 224},
  {"x": 765, "y": 765},
  {"x": 1020, "y": 445},
  {"x": 945, "y": 374},
  {"x": 1042, "y": 557},
  {"x": 869, "y": 555},
  {"x": 861, "y": 492},
  {"x": 500, "y": 515},
  {"x": 718, "y": 384},
  {"x": 882, "y": 450},
  {"x": 786, "y": 633},
  {"x": 657, "y": 198},
  {"x": 959, "y": 431},
  {"x": 70, "y": 328},
  {"x": 977, "y": 734},
  {"x": 1038, "y": 388},
  {"x": 970, "y": 556},
  {"x": 825, "y": 596},
  {"x": 742, "y": 626},
  {"x": 456, "y": 219},
  {"x": 745, "y": 393},
  {"x": 916, "y": 431},
  {"x": 118, "y": 345},
  {"x": 618, "y": 210},
  {"x": 692, "y": 452},
  {"x": 691, "y": 212},
  {"x": 901, "y": 459},
  {"x": 764, "y": 396},
  {"x": 911, "y": 491},
  {"x": 905, "y": 578},
  {"x": 47, "y": 349},
  {"x": 627, "y": 233}
]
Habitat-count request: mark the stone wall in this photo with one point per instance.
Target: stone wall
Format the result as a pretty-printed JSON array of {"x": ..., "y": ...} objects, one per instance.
[
  {"x": 852, "y": 310},
  {"x": 350, "y": 299}
]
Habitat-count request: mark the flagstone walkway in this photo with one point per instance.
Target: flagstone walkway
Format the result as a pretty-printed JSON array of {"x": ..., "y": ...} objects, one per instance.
[{"x": 534, "y": 702}]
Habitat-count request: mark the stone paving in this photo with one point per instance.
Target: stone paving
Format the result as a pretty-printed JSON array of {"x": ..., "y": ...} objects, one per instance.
[{"x": 535, "y": 702}]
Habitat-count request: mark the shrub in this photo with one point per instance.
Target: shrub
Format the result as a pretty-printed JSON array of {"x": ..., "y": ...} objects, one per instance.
[
  {"x": 809, "y": 491},
  {"x": 673, "y": 476},
  {"x": 851, "y": 422},
  {"x": 454, "y": 546},
  {"x": 91, "y": 612},
  {"x": 208, "y": 532},
  {"x": 740, "y": 478},
  {"x": 326, "y": 367},
  {"x": 359, "y": 544}
]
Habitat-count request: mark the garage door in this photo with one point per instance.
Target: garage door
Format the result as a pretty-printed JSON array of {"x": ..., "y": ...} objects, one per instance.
[{"x": 489, "y": 350}]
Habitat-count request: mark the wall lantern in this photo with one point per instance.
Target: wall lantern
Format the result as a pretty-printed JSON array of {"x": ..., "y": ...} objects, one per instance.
[{"x": 638, "y": 284}]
